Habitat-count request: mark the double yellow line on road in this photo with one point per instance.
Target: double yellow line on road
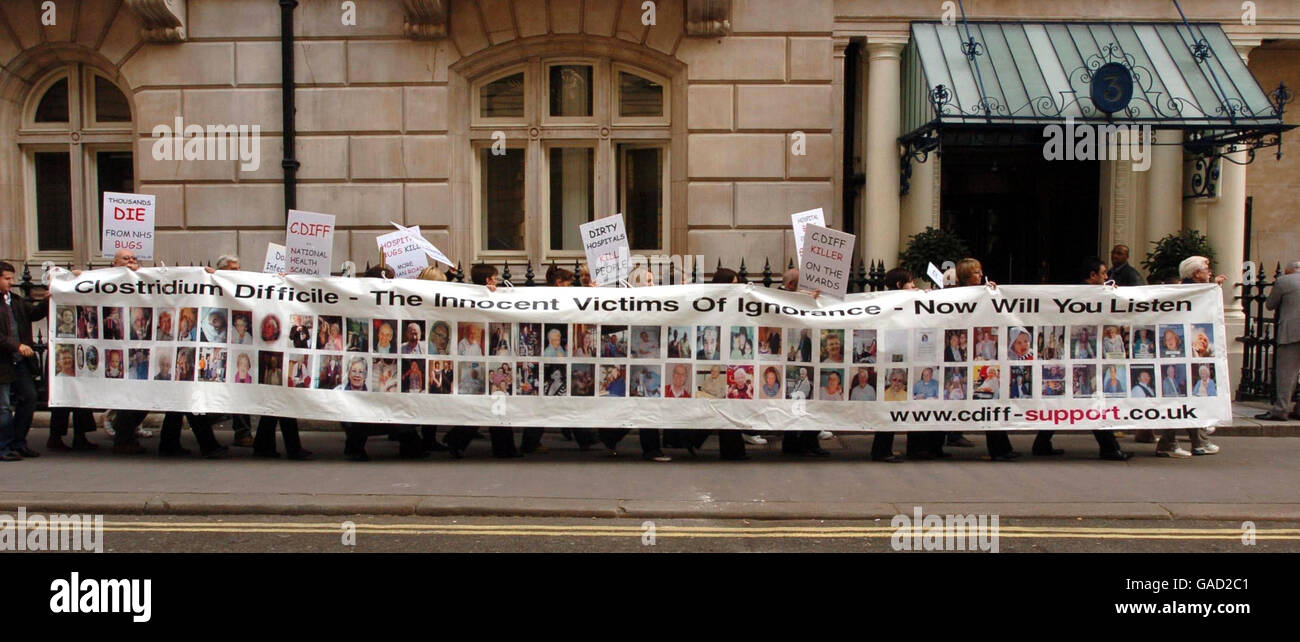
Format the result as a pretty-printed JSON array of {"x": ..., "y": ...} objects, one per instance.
[{"x": 688, "y": 532}]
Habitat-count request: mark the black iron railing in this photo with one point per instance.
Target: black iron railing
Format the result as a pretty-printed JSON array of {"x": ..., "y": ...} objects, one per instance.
[{"x": 868, "y": 276}]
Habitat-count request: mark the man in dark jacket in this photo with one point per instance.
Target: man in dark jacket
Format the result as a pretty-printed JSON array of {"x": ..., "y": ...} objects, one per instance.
[
  {"x": 18, "y": 364},
  {"x": 1123, "y": 274}
]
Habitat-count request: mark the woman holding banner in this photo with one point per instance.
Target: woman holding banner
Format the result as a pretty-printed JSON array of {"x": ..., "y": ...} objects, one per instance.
[
  {"x": 650, "y": 438},
  {"x": 971, "y": 274}
]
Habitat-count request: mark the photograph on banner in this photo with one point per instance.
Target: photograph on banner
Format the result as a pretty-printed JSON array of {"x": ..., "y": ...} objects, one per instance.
[
  {"x": 697, "y": 356},
  {"x": 825, "y": 262},
  {"x": 609, "y": 258},
  {"x": 129, "y": 221},
  {"x": 309, "y": 243},
  {"x": 800, "y": 221}
]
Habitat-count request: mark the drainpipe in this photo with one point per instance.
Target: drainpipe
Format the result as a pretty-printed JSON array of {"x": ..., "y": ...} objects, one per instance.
[{"x": 289, "y": 163}]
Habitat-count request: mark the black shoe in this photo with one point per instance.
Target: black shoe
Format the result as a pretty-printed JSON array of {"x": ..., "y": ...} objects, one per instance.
[
  {"x": 83, "y": 445},
  {"x": 817, "y": 452},
  {"x": 302, "y": 454},
  {"x": 455, "y": 454},
  {"x": 11, "y": 457},
  {"x": 793, "y": 452},
  {"x": 1007, "y": 456},
  {"x": 1294, "y": 415},
  {"x": 922, "y": 456},
  {"x": 412, "y": 454},
  {"x": 1268, "y": 416},
  {"x": 174, "y": 452},
  {"x": 514, "y": 455},
  {"x": 960, "y": 441},
  {"x": 891, "y": 459},
  {"x": 27, "y": 453},
  {"x": 361, "y": 456},
  {"x": 1117, "y": 455},
  {"x": 434, "y": 446},
  {"x": 735, "y": 458},
  {"x": 220, "y": 452},
  {"x": 1048, "y": 452},
  {"x": 269, "y": 454}
]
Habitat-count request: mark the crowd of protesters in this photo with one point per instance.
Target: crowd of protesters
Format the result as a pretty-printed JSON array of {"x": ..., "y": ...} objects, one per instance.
[{"x": 19, "y": 364}]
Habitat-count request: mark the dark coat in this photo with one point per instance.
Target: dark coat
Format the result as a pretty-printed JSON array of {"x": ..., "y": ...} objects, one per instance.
[
  {"x": 25, "y": 313},
  {"x": 1127, "y": 276}
]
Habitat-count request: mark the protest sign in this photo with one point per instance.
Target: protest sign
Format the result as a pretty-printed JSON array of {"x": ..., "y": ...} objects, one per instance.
[
  {"x": 309, "y": 242},
  {"x": 704, "y": 357},
  {"x": 825, "y": 262},
  {"x": 128, "y": 224},
  {"x": 429, "y": 248},
  {"x": 800, "y": 220},
  {"x": 935, "y": 275},
  {"x": 275, "y": 256},
  {"x": 608, "y": 257},
  {"x": 403, "y": 252}
]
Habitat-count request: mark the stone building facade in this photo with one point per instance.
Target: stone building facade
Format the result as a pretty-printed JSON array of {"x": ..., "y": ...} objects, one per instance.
[{"x": 706, "y": 123}]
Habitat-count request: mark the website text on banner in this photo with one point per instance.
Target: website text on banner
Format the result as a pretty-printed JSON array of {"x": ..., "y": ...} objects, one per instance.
[{"x": 689, "y": 356}]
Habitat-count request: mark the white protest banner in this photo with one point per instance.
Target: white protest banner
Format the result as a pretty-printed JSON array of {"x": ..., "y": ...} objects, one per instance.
[
  {"x": 824, "y": 264},
  {"x": 429, "y": 248},
  {"x": 800, "y": 220},
  {"x": 128, "y": 224},
  {"x": 706, "y": 357},
  {"x": 275, "y": 255},
  {"x": 608, "y": 257},
  {"x": 309, "y": 242},
  {"x": 935, "y": 275},
  {"x": 403, "y": 252}
]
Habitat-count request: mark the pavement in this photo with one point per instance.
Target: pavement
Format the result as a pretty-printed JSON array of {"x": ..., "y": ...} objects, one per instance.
[{"x": 1252, "y": 478}]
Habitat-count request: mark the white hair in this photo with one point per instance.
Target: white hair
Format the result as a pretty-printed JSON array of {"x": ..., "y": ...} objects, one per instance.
[
  {"x": 1190, "y": 265},
  {"x": 225, "y": 260}
]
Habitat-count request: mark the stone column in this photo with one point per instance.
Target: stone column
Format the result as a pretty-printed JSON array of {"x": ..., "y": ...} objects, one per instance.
[
  {"x": 1227, "y": 229},
  {"x": 920, "y": 207},
  {"x": 1164, "y": 211},
  {"x": 881, "y": 208}
]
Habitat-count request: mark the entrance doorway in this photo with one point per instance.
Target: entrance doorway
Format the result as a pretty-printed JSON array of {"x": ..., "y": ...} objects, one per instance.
[{"x": 1027, "y": 219}]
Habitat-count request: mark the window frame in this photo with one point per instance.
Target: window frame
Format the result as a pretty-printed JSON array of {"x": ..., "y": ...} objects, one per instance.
[
  {"x": 477, "y": 119},
  {"x": 616, "y": 92},
  {"x": 665, "y": 180},
  {"x": 539, "y": 132},
  {"x": 81, "y": 140},
  {"x": 599, "y": 104}
]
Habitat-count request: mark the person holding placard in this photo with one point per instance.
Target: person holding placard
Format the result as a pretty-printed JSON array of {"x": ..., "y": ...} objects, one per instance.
[
  {"x": 650, "y": 438},
  {"x": 1094, "y": 273},
  {"x": 459, "y": 437},
  {"x": 801, "y": 442}
]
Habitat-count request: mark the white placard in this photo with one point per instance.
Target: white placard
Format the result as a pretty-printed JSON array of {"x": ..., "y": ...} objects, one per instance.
[
  {"x": 308, "y": 242},
  {"x": 403, "y": 252},
  {"x": 800, "y": 221},
  {"x": 128, "y": 224},
  {"x": 825, "y": 262},
  {"x": 935, "y": 275},
  {"x": 608, "y": 257},
  {"x": 429, "y": 248},
  {"x": 275, "y": 255}
]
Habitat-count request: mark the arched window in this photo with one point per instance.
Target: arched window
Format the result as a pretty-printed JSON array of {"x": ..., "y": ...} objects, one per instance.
[
  {"x": 76, "y": 143},
  {"x": 558, "y": 142}
]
